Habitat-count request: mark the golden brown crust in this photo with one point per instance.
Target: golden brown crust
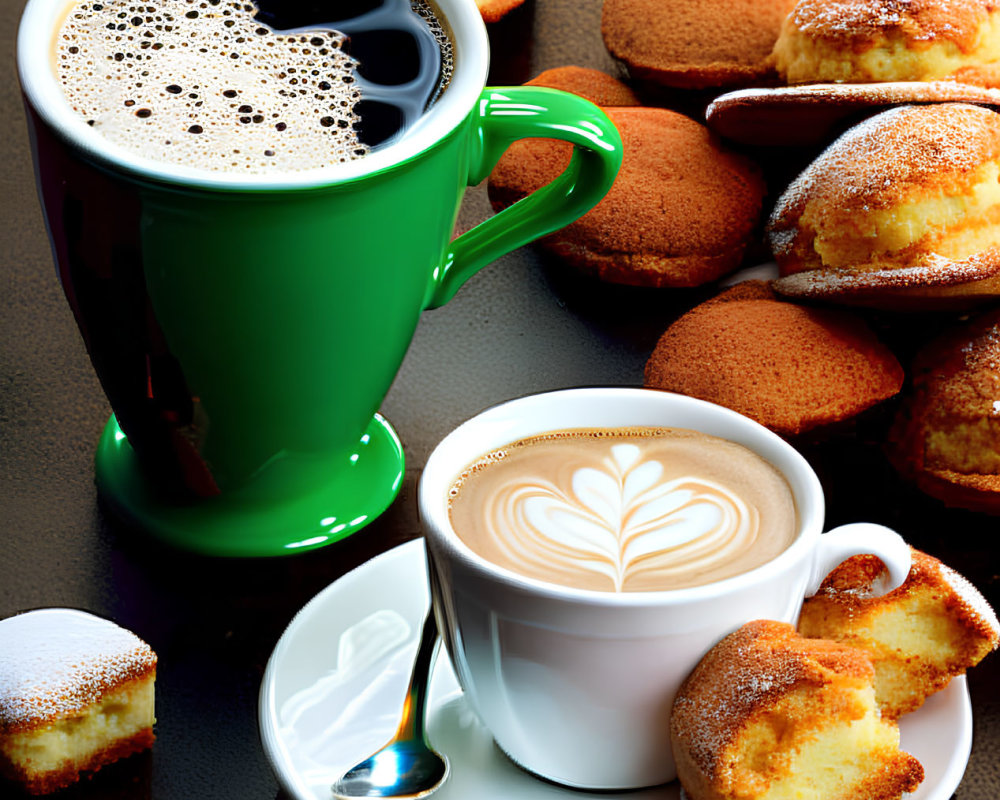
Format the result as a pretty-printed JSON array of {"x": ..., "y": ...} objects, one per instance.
[
  {"x": 680, "y": 212},
  {"x": 946, "y": 436},
  {"x": 56, "y": 662},
  {"x": 596, "y": 86},
  {"x": 493, "y": 10},
  {"x": 854, "y": 224},
  {"x": 934, "y": 284},
  {"x": 76, "y": 692},
  {"x": 933, "y": 599},
  {"x": 857, "y": 41},
  {"x": 856, "y": 24},
  {"x": 43, "y": 711},
  {"x": 47, "y": 782},
  {"x": 695, "y": 43},
  {"x": 959, "y": 374},
  {"x": 900, "y": 155},
  {"x": 971, "y": 492},
  {"x": 761, "y": 695},
  {"x": 789, "y": 367},
  {"x": 746, "y": 672}
]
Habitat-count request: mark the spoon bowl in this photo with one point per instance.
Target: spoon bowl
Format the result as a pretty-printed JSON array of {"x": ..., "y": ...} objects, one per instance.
[{"x": 407, "y": 767}]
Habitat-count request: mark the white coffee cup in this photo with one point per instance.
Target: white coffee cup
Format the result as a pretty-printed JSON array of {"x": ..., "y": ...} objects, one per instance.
[{"x": 576, "y": 685}]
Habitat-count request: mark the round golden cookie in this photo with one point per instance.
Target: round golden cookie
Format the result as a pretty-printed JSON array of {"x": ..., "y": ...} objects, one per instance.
[
  {"x": 901, "y": 211},
  {"x": 860, "y": 41},
  {"x": 695, "y": 44},
  {"x": 788, "y": 367},
  {"x": 596, "y": 86},
  {"x": 767, "y": 713},
  {"x": 812, "y": 114},
  {"x": 680, "y": 213},
  {"x": 946, "y": 437}
]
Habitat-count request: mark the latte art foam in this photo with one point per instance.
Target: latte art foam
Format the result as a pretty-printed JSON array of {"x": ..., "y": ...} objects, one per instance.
[{"x": 641, "y": 509}]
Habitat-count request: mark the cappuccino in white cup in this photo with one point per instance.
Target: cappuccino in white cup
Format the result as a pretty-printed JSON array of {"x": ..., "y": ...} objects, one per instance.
[{"x": 576, "y": 684}]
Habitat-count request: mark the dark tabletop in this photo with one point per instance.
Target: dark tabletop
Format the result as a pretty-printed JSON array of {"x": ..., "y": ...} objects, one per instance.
[{"x": 523, "y": 325}]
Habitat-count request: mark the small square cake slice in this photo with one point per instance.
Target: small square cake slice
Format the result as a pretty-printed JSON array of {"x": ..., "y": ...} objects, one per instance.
[{"x": 76, "y": 693}]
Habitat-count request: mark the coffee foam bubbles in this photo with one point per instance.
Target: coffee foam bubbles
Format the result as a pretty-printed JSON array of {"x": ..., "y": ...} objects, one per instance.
[
  {"x": 624, "y": 514},
  {"x": 203, "y": 84}
]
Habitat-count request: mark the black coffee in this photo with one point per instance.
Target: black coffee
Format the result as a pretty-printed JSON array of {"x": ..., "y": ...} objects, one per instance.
[
  {"x": 225, "y": 85},
  {"x": 398, "y": 46}
]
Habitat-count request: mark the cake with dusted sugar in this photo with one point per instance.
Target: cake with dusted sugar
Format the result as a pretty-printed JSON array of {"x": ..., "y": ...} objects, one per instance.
[
  {"x": 918, "y": 636},
  {"x": 946, "y": 435},
  {"x": 900, "y": 212},
  {"x": 827, "y": 41},
  {"x": 770, "y": 715},
  {"x": 76, "y": 693}
]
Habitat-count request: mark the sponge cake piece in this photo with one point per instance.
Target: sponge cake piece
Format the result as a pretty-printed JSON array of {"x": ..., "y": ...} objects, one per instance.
[
  {"x": 900, "y": 212},
  {"x": 880, "y": 40},
  {"x": 769, "y": 715},
  {"x": 919, "y": 636},
  {"x": 946, "y": 436},
  {"x": 76, "y": 693}
]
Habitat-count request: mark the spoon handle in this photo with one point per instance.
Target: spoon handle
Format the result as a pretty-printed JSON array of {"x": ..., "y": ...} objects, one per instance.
[{"x": 411, "y": 726}]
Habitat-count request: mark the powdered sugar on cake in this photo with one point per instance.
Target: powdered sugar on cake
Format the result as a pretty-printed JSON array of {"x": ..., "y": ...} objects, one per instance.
[
  {"x": 973, "y": 600},
  {"x": 55, "y": 662}
]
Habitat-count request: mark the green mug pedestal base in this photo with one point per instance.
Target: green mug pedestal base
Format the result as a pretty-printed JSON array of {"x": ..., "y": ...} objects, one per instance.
[{"x": 239, "y": 523}]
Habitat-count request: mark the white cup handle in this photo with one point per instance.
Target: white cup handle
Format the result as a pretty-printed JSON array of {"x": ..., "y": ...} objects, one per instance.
[{"x": 858, "y": 538}]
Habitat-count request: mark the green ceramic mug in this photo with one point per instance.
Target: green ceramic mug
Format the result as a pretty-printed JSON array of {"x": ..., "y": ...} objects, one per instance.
[{"x": 246, "y": 328}]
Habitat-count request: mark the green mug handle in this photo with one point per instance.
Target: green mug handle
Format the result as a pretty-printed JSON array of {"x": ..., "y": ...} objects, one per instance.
[{"x": 504, "y": 115}]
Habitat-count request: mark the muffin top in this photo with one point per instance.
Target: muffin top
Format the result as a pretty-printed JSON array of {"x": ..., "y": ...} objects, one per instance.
[
  {"x": 699, "y": 43},
  {"x": 789, "y": 367},
  {"x": 681, "y": 211},
  {"x": 596, "y": 86}
]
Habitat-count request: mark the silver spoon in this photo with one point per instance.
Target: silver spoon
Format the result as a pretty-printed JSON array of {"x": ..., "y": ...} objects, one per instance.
[{"x": 406, "y": 767}]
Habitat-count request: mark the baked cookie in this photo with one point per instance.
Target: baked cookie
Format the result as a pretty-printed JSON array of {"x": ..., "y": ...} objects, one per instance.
[
  {"x": 813, "y": 114},
  {"x": 693, "y": 44},
  {"x": 76, "y": 693},
  {"x": 861, "y": 41},
  {"x": 946, "y": 436},
  {"x": 680, "y": 213},
  {"x": 493, "y": 10},
  {"x": 768, "y": 714},
  {"x": 596, "y": 86},
  {"x": 918, "y": 636},
  {"x": 901, "y": 211},
  {"x": 789, "y": 367}
]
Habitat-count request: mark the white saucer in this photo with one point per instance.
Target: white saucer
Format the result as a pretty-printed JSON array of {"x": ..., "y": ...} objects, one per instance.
[{"x": 334, "y": 686}]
